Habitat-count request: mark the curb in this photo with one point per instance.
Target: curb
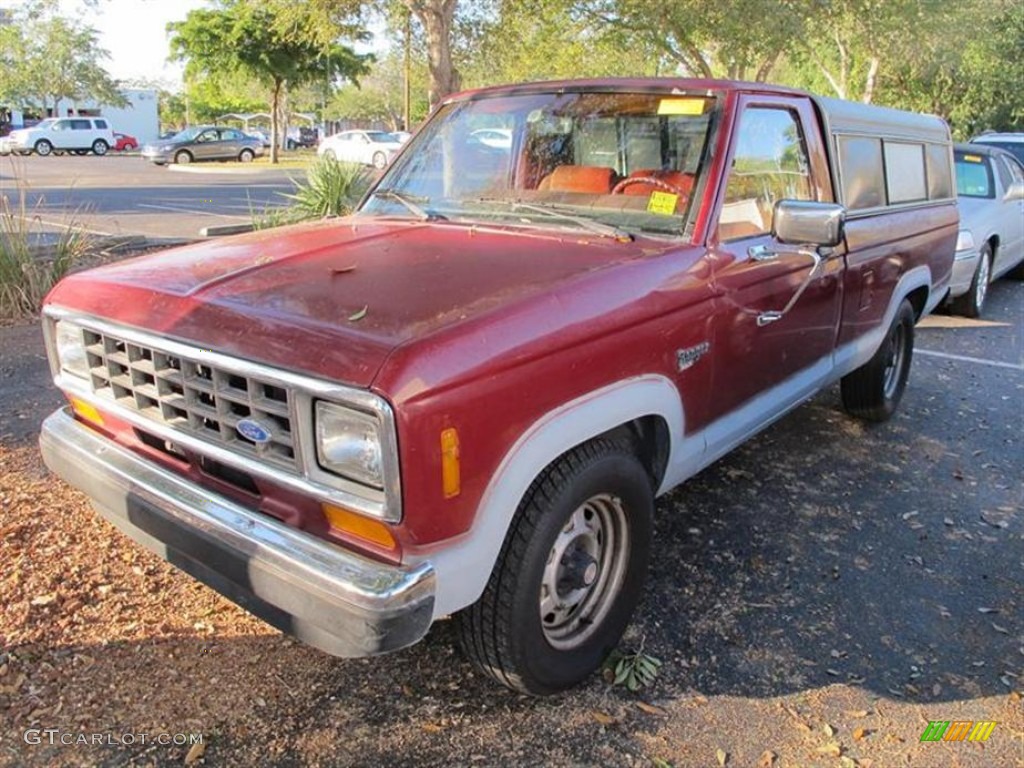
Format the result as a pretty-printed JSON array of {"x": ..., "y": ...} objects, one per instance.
[{"x": 240, "y": 169}]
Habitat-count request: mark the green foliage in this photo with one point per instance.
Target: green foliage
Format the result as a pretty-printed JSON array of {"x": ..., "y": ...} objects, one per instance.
[
  {"x": 633, "y": 670},
  {"x": 380, "y": 96},
  {"x": 28, "y": 272},
  {"x": 46, "y": 58},
  {"x": 332, "y": 188}
]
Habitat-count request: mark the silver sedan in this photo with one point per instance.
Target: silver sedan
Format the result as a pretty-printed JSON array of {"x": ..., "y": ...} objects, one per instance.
[{"x": 204, "y": 143}]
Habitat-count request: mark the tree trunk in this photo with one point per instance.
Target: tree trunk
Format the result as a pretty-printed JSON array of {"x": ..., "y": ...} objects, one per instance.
[
  {"x": 275, "y": 126},
  {"x": 283, "y": 119},
  {"x": 872, "y": 78},
  {"x": 437, "y": 17}
]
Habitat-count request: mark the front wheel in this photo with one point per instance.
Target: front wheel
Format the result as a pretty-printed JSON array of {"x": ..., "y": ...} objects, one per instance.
[
  {"x": 183, "y": 157},
  {"x": 100, "y": 147},
  {"x": 569, "y": 575},
  {"x": 874, "y": 390},
  {"x": 246, "y": 156},
  {"x": 972, "y": 302},
  {"x": 43, "y": 148},
  {"x": 379, "y": 160}
]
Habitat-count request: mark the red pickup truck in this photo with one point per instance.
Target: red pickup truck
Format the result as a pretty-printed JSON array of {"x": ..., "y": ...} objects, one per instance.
[{"x": 464, "y": 399}]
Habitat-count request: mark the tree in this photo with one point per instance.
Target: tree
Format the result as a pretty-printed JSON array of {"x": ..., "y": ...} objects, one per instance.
[
  {"x": 47, "y": 59},
  {"x": 245, "y": 37},
  {"x": 380, "y": 96}
]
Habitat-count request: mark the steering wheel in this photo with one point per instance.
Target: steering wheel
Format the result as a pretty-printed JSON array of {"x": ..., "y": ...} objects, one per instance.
[{"x": 657, "y": 183}]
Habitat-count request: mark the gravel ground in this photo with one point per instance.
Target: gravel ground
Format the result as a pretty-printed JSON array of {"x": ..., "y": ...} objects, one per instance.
[{"x": 818, "y": 597}]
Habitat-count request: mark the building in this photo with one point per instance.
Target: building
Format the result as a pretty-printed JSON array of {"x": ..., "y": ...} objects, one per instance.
[{"x": 141, "y": 118}]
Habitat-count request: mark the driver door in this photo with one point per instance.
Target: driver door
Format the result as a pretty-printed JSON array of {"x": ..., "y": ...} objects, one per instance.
[
  {"x": 208, "y": 144},
  {"x": 766, "y": 361}
]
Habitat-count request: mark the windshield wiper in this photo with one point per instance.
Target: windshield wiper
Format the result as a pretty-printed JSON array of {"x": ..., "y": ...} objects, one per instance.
[
  {"x": 410, "y": 203},
  {"x": 597, "y": 227}
]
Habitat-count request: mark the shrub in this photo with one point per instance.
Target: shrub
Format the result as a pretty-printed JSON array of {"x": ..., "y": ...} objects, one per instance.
[{"x": 332, "y": 188}]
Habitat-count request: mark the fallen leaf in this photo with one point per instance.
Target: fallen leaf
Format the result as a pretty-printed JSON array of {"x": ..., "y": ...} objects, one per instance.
[
  {"x": 988, "y": 610},
  {"x": 847, "y": 762},
  {"x": 603, "y": 719},
  {"x": 828, "y": 730},
  {"x": 948, "y": 521},
  {"x": 650, "y": 709},
  {"x": 195, "y": 754},
  {"x": 342, "y": 270},
  {"x": 831, "y": 749},
  {"x": 44, "y": 599},
  {"x": 431, "y": 728},
  {"x": 358, "y": 315},
  {"x": 767, "y": 759},
  {"x": 1015, "y": 697},
  {"x": 859, "y": 734},
  {"x": 997, "y": 628},
  {"x": 857, "y": 713},
  {"x": 722, "y": 756}
]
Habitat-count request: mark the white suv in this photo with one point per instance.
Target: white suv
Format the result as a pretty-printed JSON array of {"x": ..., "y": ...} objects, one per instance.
[
  {"x": 1011, "y": 142},
  {"x": 69, "y": 134}
]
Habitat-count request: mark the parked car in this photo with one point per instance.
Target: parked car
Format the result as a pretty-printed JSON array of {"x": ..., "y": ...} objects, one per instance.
[
  {"x": 5, "y": 145},
  {"x": 376, "y": 148},
  {"x": 263, "y": 136},
  {"x": 65, "y": 134},
  {"x": 208, "y": 142},
  {"x": 498, "y": 138},
  {"x": 1011, "y": 142},
  {"x": 123, "y": 142},
  {"x": 523, "y": 351},
  {"x": 990, "y": 195},
  {"x": 401, "y": 136}
]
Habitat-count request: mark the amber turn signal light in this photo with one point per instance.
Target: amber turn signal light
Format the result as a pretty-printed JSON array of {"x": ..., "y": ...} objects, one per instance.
[
  {"x": 450, "y": 480},
  {"x": 86, "y": 411},
  {"x": 357, "y": 525}
]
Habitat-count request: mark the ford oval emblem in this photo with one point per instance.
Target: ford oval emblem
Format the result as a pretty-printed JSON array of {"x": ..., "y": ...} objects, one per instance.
[{"x": 251, "y": 429}]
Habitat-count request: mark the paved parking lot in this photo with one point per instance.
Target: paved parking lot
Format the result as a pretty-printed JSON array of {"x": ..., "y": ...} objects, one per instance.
[{"x": 126, "y": 195}]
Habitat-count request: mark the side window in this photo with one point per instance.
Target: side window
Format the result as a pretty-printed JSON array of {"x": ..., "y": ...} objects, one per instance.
[
  {"x": 1016, "y": 172},
  {"x": 904, "y": 172},
  {"x": 860, "y": 159},
  {"x": 1005, "y": 179},
  {"x": 940, "y": 182},
  {"x": 80, "y": 125},
  {"x": 770, "y": 164},
  {"x": 62, "y": 125},
  {"x": 101, "y": 124}
]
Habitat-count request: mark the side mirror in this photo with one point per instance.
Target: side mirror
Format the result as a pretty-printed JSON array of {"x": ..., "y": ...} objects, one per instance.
[
  {"x": 803, "y": 222},
  {"x": 1015, "y": 191}
]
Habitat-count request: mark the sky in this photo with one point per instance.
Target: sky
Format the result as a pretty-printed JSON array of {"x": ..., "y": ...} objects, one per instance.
[{"x": 134, "y": 32}]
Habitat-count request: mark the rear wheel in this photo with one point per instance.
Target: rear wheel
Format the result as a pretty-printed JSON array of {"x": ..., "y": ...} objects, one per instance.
[
  {"x": 972, "y": 302},
  {"x": 874, "y": 390},
  {"x": 183, "y": 157},
  {"x": 379, "y": 160},
  {"x": 569, "y": 575},
  {"x": 246, "y": 156},
  {"x": 329, "y": 154},
  {"x": 100, "y": 147},
  {"x": 43, "y": 148}
]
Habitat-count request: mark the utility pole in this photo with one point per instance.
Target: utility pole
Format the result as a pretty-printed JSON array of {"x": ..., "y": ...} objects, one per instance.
[{"x": 408, "y": 70}]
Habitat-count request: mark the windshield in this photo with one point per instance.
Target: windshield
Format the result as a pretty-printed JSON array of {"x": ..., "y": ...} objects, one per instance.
[
  {"x": 45, "y": 124},
  {"x": 628, "y": 161},
  {"x": 973, "y": 175}
]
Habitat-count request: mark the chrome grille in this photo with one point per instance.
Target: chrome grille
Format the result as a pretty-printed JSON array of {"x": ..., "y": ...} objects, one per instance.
[{"x": 193, "y": 397}]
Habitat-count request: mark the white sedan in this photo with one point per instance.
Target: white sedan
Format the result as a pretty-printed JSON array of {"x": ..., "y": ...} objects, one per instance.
[{"x": 374, "y": 148}]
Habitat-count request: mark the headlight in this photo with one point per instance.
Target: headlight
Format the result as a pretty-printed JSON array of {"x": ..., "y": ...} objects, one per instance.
[
  {"x": 348, "y": 443},
  {"x": 964, "y": 240},
  {"x": 71, "y": 349}
]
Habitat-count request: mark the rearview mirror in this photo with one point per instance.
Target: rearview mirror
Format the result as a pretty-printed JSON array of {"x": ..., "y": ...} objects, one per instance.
[
  {"x": 1015, "y": 191},
  {"x": 804, "y": 222}
]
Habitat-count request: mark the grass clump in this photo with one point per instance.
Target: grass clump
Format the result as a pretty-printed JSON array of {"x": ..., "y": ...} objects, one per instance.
[
  {"x": 332, "y": 188},
  {"x": 29, "y": 268}
]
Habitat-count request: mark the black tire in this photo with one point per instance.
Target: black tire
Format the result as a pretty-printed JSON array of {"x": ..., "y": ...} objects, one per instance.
[
  {"x": 43, "y": 148},
  {"x": 972, "y": 303},
  {"x": 874, "y": 390},
  {"x": 290, "y": 144},
  {"x": 100, "y": 147},
  {"x": 246, "y": 156},
  {"x": 503, "y": 633},
  {"x": 380, "y": 161},
  {"x": 182, "y": 157}
]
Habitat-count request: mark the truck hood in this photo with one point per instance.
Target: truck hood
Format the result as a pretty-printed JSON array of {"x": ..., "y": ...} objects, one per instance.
[{"x": 333, "y": 299}]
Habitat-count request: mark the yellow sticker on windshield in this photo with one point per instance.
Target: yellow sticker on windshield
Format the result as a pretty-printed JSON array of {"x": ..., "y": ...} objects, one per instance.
[
  {"x": 662, "y": 203},
  {"x": 681, "y": 106},
  {"x": 972, "y": 158}
]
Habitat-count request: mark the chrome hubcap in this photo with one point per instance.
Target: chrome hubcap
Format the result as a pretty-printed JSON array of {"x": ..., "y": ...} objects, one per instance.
[
  {"x": 982, "y": 287},
  {"x": 584, "y": 571},
  {"x": 894, "y": 360}
]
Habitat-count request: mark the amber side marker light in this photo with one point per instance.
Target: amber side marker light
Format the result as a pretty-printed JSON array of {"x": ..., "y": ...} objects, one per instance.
[
  {"x": 86, "y": 411},
  {"x": 450, "y": 480},
  {"x": 354, "y": 524}
]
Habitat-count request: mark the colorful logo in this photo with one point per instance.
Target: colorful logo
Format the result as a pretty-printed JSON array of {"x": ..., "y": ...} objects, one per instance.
[{"x": 958, "y": 730}]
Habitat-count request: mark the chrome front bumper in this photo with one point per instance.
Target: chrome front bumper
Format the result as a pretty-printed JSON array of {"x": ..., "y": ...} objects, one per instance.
[{"x": 332, "y": 599}]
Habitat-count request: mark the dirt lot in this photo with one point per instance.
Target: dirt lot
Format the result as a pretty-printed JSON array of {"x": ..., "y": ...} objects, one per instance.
[{"x": 818, "y": 597}]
